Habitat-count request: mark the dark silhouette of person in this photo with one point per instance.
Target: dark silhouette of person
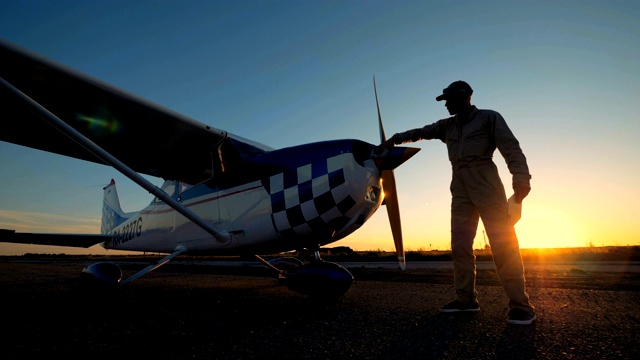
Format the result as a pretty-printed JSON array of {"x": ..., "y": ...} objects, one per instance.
[{"x": 472, "y": 136}]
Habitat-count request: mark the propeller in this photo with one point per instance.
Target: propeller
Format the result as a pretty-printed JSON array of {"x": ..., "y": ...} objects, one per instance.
[{"x": 391, "y": 195}]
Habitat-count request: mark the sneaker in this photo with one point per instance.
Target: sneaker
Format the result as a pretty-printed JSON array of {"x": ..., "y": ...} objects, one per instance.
[
  {"x": 456, "y": 306},
  {"x": 521, "y": 317}
]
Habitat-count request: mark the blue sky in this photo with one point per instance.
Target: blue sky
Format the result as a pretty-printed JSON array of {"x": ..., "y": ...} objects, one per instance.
[{"x": 564, "y": 74}]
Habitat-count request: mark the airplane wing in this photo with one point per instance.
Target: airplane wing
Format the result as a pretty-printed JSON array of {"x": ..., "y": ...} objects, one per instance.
[
  {"x": 72, "y": 240},
  {"x": 148, "y": 138}
]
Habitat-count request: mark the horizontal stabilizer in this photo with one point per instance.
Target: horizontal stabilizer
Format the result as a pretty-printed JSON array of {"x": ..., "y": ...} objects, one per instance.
[{"x": 72, "y": 240}]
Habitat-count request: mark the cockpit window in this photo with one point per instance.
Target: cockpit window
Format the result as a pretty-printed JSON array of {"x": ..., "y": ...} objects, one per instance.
[
  {"x": 168, "y": 187},
  {"x": 183, "y": 186},
  {"x": 200, "y": 169}
]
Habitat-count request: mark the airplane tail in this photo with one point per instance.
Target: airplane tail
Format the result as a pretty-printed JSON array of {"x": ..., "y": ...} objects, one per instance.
[{"x": 112, "y": 214}]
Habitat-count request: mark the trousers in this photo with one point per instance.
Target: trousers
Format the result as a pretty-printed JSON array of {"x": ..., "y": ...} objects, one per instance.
[{"x": 477, "y": 192}]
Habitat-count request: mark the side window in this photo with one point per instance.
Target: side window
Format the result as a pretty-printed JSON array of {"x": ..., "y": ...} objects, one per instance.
[
  {"x": 183, "y": 186},
  {"x": 194, "y": 170},
  {"x": 199, "y": 169},
  {"x": 168, "y": 187}
]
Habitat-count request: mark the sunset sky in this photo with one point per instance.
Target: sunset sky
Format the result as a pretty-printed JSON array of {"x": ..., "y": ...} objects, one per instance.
[{"x": 564, "y": 74}]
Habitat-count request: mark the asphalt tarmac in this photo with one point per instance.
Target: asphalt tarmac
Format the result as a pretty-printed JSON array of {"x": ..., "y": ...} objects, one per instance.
[{"x": 198, "y": 311}]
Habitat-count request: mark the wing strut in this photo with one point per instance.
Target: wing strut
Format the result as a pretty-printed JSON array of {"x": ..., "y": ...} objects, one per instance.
[{"x": 76, "y": 136}]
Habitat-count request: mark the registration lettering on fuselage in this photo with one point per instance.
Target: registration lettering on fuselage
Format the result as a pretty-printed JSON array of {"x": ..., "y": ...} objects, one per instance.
[{"x": 127, "y": 232}]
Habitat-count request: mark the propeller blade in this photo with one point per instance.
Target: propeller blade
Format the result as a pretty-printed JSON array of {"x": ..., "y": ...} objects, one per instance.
[
  {"x": 391, "y": 195},
  {"x": 383, "y": 137},
  {"x": 393, "y": 210}
]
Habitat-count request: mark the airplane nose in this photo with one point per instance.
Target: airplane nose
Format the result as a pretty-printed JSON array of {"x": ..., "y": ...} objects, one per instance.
[{"x": 391, "y": 158}]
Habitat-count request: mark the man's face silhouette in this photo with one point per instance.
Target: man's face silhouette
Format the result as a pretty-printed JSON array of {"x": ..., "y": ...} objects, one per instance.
[{"x": 456, "y": 103}]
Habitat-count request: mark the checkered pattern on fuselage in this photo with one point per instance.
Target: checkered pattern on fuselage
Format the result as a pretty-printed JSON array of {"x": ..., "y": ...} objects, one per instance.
[{"x": 313, "y": 198}]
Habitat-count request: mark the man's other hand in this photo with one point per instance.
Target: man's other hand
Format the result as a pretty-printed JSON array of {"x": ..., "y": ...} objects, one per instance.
[{"x": 521, "y": 190}]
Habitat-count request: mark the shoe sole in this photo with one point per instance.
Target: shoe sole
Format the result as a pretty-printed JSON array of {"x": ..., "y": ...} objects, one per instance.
[
  {"x": 459, "y": 310},
  {"x": 522, "y": 322}
]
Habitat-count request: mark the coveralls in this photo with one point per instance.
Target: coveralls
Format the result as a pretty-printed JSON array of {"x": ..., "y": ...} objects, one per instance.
[{"x": 477, "y": 191}]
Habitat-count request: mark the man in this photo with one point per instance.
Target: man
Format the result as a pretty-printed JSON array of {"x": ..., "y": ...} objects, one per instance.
[{"x": 472, "y": 136}]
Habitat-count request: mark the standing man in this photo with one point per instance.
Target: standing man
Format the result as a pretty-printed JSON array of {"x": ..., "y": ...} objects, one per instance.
[{"x": 472, "y": 136}]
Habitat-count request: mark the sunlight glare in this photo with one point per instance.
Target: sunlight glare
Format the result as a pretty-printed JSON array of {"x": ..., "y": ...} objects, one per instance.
[
  {"x": 100, "y": 125},
  {"x": 545, "y": 227}
]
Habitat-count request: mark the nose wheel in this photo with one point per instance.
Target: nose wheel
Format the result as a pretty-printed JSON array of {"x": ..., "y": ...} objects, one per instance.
[{"x": 320, "y": 280}]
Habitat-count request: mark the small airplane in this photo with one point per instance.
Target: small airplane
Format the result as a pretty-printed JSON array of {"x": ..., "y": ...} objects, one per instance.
[{"x": 222, "y": 194}]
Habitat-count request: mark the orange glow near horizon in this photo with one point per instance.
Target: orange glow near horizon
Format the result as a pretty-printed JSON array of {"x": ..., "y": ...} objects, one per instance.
[{"x": 544, "y": 227}]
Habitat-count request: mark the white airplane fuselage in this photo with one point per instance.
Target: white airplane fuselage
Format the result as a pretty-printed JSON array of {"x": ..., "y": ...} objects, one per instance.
[
  {"x": 222, "y": 194},
  {"x": 299, "y": 205}
]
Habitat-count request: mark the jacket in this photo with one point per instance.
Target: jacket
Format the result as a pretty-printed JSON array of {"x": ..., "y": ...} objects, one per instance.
[{"x": 474, "y": 140}]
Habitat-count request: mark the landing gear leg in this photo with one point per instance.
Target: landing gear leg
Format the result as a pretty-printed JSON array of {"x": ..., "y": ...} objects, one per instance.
[
  {"x": 271, "y": 266},
  {"x": 324, "y": 282}
]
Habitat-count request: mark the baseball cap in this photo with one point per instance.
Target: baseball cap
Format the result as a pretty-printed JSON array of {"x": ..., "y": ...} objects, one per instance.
[{"x": 456, "y": 87}]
